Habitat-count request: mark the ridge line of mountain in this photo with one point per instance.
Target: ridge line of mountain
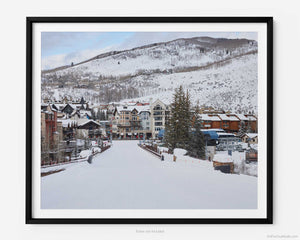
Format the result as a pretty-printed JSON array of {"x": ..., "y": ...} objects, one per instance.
[{"x": 111, "y": 53}]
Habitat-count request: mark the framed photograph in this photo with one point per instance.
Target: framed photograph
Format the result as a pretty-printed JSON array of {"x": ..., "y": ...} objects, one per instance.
[{"x": 149, "y": 120}]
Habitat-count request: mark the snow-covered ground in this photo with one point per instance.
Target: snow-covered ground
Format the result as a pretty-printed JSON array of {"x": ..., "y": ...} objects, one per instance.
[{"x": 128, "y": 177}]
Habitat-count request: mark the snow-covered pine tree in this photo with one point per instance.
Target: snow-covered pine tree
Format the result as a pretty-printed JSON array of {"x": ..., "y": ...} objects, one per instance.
[
  {"x": 187, "y": 120},
  {"x": 177, "y": 130},
  {"x": 171, "y": 128},
  {"x": 196, "y": 146}
]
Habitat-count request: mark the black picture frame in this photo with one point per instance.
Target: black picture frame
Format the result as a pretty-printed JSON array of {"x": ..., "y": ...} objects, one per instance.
[{"x": 29, "y": 120}]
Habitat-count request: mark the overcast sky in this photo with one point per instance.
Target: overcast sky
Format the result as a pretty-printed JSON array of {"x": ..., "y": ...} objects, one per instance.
[{"x": 62, "y": 48}]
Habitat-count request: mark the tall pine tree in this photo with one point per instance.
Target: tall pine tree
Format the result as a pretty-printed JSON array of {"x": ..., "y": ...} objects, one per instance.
[
  {"x": 178, "y": 126},
  {"x": 196, "y": 146}
]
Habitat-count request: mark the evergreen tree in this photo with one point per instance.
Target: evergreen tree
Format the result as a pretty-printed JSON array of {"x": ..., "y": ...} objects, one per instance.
[
  {"x": 178, "y": 126},
  {"x": 172, "y": 125},
  {"x": 197, "y": 143}
]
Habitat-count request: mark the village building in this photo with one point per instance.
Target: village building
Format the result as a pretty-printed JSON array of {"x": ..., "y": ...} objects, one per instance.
[
  {"x": 145, "y": 117},
  {"x": 249, "y": 120},
  {"x": 209, "y": 121},
  {"x": 124, "y": 126},
  {"x": 135, "y": 124},
  {"x": 51, "y": 134},
  {"x": 251, "y": 138},
  {"x": 210, "y": 110},
  {"x": 89, "y": 128},
  {"x": 253, "y": 122},
  {"x": 159, "y": 113},
  {"x": 229, "y": 122}
]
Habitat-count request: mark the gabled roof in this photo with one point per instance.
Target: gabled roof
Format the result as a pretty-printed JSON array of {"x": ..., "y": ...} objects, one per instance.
[
  {"x": 250, "y": 135},
  {"x": 242, "y": 117},
  {"x": 157, "y": 101},
  {"x": 206, "y": 117},
  {"x": 224, "y": 117},
  {"x": 252, "y": 118},
  {"x": 87, "y": 121}
]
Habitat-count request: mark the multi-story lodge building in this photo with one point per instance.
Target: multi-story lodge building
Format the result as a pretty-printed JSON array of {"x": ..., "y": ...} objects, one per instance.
[
  {"x": 228, "y": 122},
  {"x": 160, "y": 113},
  {"x": 51, "y": 134},
  {"x": 131, "y": 122}
]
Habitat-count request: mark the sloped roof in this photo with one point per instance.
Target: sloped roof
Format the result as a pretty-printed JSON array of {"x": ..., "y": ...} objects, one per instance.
[
  {"x": 250, "y": 135},
  {"x": 224, "y": 117},
  {"x": 206, "y": 117},
  {"x": 242, "y": 117},
  {"x": 83, "y": 123}
]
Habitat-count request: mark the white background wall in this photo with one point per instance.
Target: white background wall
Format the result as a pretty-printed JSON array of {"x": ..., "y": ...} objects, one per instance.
[{"x": 286, "y": 98}]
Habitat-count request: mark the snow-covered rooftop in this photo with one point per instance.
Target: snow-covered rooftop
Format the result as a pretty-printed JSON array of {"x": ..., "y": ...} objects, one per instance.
[
  {"x": 251, "y": 135},
  {"x": 242, "y": 117},
  {"x": 130, "y": 108},
  {"x": 206, "y": 117},
  {"x": 82, "y": 122},
  {"x": 252, "y": 118},
  {"x": 224, "y": 117}
]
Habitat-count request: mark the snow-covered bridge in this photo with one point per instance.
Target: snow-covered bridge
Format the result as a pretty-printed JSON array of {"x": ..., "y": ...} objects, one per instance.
[{"x": 128, "y": 177}]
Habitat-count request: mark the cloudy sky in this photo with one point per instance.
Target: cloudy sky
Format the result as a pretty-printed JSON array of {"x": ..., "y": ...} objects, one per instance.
[{"x": 63, "y": 48}]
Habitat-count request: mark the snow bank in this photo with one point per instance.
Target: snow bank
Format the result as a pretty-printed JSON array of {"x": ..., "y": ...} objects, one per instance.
[
  {"x": 106, "y": 143},
  {"x": 85, "y": 153},
  {"x": 96, "y": 150},
  {"x": 240, "y": 165},
  {"x": 179, "y": 152},
  {"x": 223, "y": 158},
  {"x": 254, "y": 146},
  {"x": 162, "y": 149}
]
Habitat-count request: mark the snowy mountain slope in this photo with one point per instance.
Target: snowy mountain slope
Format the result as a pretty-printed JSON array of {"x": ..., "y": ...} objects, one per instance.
[
  {"x": 229, "y": 87},
  {"x": 218, "y": 72},
  {"x": 174, "y": 55}
]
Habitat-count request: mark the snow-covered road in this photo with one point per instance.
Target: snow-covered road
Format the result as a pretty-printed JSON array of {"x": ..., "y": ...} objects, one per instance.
[{"x": 128, "y": 177}]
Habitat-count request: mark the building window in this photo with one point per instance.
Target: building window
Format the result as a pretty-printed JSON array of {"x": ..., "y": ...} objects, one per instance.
[
  {"x": 158, "y": 113},
  {"x": 158, "y": 124},
  {"x": 157, "y": 107}
]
